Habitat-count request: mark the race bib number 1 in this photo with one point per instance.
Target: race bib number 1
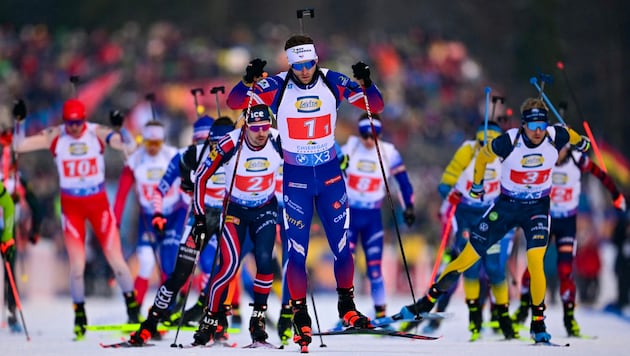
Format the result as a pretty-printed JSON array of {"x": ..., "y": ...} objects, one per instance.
[{"x": 307, "y": 128}]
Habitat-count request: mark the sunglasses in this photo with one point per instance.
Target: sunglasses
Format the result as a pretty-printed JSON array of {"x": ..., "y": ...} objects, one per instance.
[
  {"x": 304, "y": 65},
  {"x": 74, "y": 122},
  {"x": 258, "y": 128},
  {"x": 152, "y": 143},
  {"x": 534, "y": 125}
]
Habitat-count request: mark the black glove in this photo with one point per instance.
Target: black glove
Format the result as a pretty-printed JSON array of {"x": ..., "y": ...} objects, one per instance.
[
  {"x": 199, "y": 229},
  {"x": 8, "y": 249},
  {"x": 361, "y": 71},
  {"x": 33, "y": 237},
  {"x": 254, "y": 69},
  {"x": 116, "y": 118},
  {"x": 477, "y": 191},
  {"x": 159, "y": 223},
  {"x": 584, "y": 145},
  {"x": 409, "y": 216},
  {"x": 19, "y": 109},
  {"x": 343, "y": 163}
]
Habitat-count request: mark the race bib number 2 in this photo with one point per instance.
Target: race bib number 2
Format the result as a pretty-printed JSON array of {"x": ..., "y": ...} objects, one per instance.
[
  {"x": 80, "y": 168},
  {"x": 254, "y": 184},
  {"x": 307, "y": 128}
]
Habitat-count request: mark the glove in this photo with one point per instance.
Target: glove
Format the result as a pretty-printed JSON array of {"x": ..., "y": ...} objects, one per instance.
[
  {"x": 254, "y": 69},
  {"x": 116, "y": 118},
  {"x": 8, "y": 249},
  {"x": 361, "y": 71},
  {"x": 584, "y": 145},
  {"x": 199, "y": 229},
  {"x": 19, "y": 109},
  {"x": 33, "y": 238},
  {"x": 408, "y": 215},
  {"x": 454, "y": 197},
  {"x": 620, "y": 203},
  {"x": 158, "y": 222},
  {"x": 476, "y": 191},
  {"x": 343, "y": 163}
]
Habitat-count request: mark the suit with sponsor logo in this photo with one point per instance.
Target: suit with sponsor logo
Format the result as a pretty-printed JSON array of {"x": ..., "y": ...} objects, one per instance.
[
  {"x": 252, "y": 209},
  {"x": 306, "y": 118}
]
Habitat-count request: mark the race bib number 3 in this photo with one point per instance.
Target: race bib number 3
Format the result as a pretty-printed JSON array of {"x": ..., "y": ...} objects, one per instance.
[
  {"x": 307, "y": 128},
  {"x": 80, "y": 168},
  {"x": 530, "y": 177}
]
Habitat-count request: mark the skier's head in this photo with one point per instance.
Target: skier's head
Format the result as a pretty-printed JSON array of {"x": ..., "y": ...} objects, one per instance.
[
  {"x": 220, "y": 128},
  {"x": 201, "y": 129},
  {"x": 534, "y": 119},
  {"x": 258, "y": 125},
  {"x": 494, "y": 131},
  {"x": 73, "y": 114},
  {"x": 302, "y": 58},
  {"x": 153, "y": 136}
]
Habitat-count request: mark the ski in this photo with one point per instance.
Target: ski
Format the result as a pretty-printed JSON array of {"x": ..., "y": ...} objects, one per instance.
[
  {"x": 261, "y": 345},
  {"x": 396, "y": 318},
  {"x": 585, "y": 337},
  {"x": 122, "y": 344},
  {"x": 215, "y": 344},
  {"x": 384, "y": 332},
  {"x": 549, "y": 343},
  {"x": 130, "y": 327}
]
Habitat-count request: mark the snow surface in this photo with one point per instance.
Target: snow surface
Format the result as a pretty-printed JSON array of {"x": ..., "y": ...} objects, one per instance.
[{"x": 49, "y": 322}]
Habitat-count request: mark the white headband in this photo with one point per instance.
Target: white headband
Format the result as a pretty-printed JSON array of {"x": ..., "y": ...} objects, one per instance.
[
  {"x": 301, "y": 53},
  {"x": 153, "y": 133}
]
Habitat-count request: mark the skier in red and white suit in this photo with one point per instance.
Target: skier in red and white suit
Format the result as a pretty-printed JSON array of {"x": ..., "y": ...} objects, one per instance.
[{"x": 78, "y": 149}]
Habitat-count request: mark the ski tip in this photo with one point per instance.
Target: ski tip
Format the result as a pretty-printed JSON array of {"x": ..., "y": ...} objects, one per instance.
[{"x": 549, "y": 343}]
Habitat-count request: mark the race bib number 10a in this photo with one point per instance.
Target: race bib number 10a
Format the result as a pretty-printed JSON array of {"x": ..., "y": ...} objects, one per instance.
[
  {"x": 80, "y": 168},
  {"x": 308, "y": 128}
]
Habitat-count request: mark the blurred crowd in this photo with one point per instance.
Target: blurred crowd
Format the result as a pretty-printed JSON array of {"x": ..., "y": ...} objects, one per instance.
[{"x": 433, "y": 90}]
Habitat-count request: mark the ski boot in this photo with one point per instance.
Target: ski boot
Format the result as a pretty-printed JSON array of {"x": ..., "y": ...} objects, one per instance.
[
  {"x": 432, "y": 326},
  {"x": 380, "y": 311},
  {"x": 133, "y": 308},
  {"x": 423, "y": 305},
  {"x": 538, "y": 329},
  {"x": 573, "y": 329},
  {"x": 522, "y": 312},
  {"x": 302, "y": 332},
  {"x": 505, "y": 322},
  {"x": 494, "y": 319},
  {"x": 257, "y": 323},
  {"x": 474, "y": 317},
  {"x": 284, "y": 324},
  {"x": 237, "y": 321},
  {"x": 14, "y": 325},
  {"x": 348, "y": 311},
  {"x": 80, "y": 320},
  {"x": 209, "y": 326},
  {"x": 148, "y": 328}
]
